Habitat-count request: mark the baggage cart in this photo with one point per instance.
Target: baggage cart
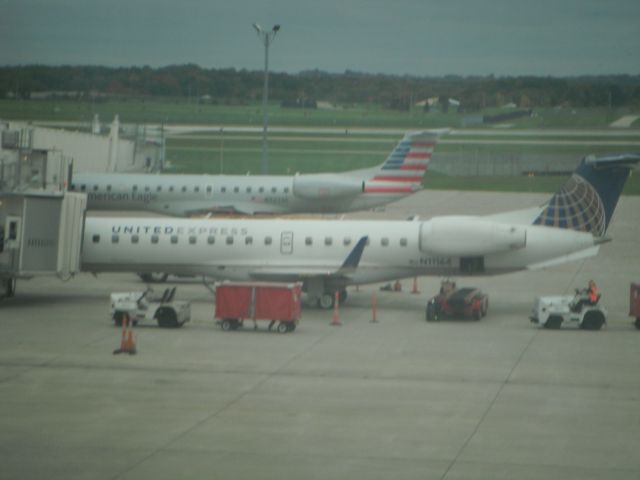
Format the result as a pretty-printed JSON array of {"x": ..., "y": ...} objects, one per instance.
[{"x": 258, "y": 301}]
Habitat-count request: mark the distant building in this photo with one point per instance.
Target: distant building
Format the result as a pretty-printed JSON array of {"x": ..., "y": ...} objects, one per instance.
[{"x": 141, "y": 150}]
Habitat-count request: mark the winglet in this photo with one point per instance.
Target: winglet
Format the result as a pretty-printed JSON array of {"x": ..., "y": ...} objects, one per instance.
[{"x": 353, "y": 259}]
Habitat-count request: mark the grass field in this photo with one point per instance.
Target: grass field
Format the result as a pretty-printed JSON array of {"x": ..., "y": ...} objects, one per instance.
[
  {"x": 240, "y": 153},
  {"x": 181, "y": 111}
]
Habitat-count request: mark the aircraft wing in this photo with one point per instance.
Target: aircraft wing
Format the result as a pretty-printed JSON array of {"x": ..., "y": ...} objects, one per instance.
[
  {"x": 243, "y": 208},
  {"x": 295, "y": 273}
]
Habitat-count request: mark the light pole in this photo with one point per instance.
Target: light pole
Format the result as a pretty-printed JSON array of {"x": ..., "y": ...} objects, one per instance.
[{"x": 266, "y": 38}]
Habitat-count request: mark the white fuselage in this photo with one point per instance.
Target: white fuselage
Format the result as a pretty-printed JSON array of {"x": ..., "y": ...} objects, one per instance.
[
  {"x": 188, "y": 195},
  {"x": 301, "y": 249}
]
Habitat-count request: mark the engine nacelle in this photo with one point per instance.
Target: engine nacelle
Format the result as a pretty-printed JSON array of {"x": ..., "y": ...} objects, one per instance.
[
  {"x": 326, "y": 186},
  {"x": 459, "y": 236}
]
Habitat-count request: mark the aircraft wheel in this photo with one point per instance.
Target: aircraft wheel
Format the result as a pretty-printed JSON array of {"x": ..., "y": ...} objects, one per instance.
[
  {"x": 154, "y": 277},
  {"x": 117, "y": 318},
  {"x": 326, "y": 301},
  {"x": 593, "y": 320},
  {"x": 432, "y": 312},
  {"x": 9, "y": 287},
  {"x": 553, "y": 322},
  {"x": 283, "y": 327},
  {"x": 167, "y": 317}
]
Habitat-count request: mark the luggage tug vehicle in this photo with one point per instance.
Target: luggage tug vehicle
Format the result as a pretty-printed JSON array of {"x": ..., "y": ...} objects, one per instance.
[
  {"x": 467, "y": 302},
  {"x": 554, "y": 311},
  {"x": 146, "y": 306}
]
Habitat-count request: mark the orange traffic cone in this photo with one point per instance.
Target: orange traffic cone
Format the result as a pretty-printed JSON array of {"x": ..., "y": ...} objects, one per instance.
[
  {"x": 415, "y": 285},
  {"x": 130, "y": 344},
  {"x": 374, "y": 308},
  {"x": 127, "y": 342},
  {"x": 335, "y": 321}
]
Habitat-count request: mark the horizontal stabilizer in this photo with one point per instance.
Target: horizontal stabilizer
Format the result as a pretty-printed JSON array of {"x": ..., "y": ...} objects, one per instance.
[
  {"x": 608, "y": 161},
  {"x": 572, "y": 257}
]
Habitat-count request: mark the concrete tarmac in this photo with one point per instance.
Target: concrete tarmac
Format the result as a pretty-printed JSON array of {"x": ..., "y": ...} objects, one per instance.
[{"x": 400, "y": 398}]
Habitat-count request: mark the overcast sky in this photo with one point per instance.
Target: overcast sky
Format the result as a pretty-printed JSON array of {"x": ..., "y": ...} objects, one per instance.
[{"x": 416, "y": 37}]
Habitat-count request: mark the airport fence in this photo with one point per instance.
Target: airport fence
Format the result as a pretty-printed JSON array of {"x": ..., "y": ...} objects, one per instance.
[{"x": 510, "y": 164}]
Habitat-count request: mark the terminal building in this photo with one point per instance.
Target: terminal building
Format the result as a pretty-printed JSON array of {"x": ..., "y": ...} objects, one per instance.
[
  {"x": 123, "y": 149},
  {"x": 41, "y": 222}
]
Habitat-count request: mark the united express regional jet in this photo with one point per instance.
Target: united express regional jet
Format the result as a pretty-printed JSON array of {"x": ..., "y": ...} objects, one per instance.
[
  {"x": 189, "y": 195},
  {"x": 328, "y": 255}
]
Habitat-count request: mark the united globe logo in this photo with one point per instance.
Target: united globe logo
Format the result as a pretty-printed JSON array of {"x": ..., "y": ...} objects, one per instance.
[{"x": 576, "y": 206}]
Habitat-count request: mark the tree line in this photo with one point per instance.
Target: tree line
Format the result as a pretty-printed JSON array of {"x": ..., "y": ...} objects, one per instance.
[{"x": 232, "y": 86}]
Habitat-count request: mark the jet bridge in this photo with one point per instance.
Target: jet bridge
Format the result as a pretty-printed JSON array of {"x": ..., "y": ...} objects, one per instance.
[{"x": 41, "y": 222}]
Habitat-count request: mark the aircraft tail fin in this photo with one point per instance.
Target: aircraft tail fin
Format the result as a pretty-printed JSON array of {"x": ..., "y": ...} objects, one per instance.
[
  {"x": 587, "y": 200},
  {"x": 409, "y": 160}
]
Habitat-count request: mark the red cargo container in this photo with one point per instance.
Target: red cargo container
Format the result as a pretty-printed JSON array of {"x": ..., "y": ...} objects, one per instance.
[
  {"x": 239, "y": 301},
  {"x": 634, "y": 303}
]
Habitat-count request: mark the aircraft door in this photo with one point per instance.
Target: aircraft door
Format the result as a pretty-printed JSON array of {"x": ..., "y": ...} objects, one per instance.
[{"x": 286, "y": 243}]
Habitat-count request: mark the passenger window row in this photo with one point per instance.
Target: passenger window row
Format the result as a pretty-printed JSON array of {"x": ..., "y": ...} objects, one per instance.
[
  {"x": 183, "y": 189},
  {"x": 248, "y": 240},
  {"x": 192, "y": 239}
]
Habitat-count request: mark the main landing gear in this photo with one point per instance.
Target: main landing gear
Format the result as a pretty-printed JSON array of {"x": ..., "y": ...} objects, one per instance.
[{"x": 326, "y": 301}]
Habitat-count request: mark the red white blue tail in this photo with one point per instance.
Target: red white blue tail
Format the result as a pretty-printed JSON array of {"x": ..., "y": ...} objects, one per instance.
[{"x": 409, "y": 160}]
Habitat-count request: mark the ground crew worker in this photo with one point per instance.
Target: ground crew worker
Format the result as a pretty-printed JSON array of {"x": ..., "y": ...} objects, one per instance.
[
  {"x": 588, "y": 296},
  {"x": 592, "y": 292}
]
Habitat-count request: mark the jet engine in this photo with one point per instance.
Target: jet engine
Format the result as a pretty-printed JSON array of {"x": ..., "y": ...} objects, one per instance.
[
  {"x": 459, "y": 236},
  {"x": 326, "y": 186}
]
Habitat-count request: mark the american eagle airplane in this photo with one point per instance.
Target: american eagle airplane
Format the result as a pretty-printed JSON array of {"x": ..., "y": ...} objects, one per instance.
[
  {"x": 188, "y": 195},
  {"x": 328, "y": 255}
]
